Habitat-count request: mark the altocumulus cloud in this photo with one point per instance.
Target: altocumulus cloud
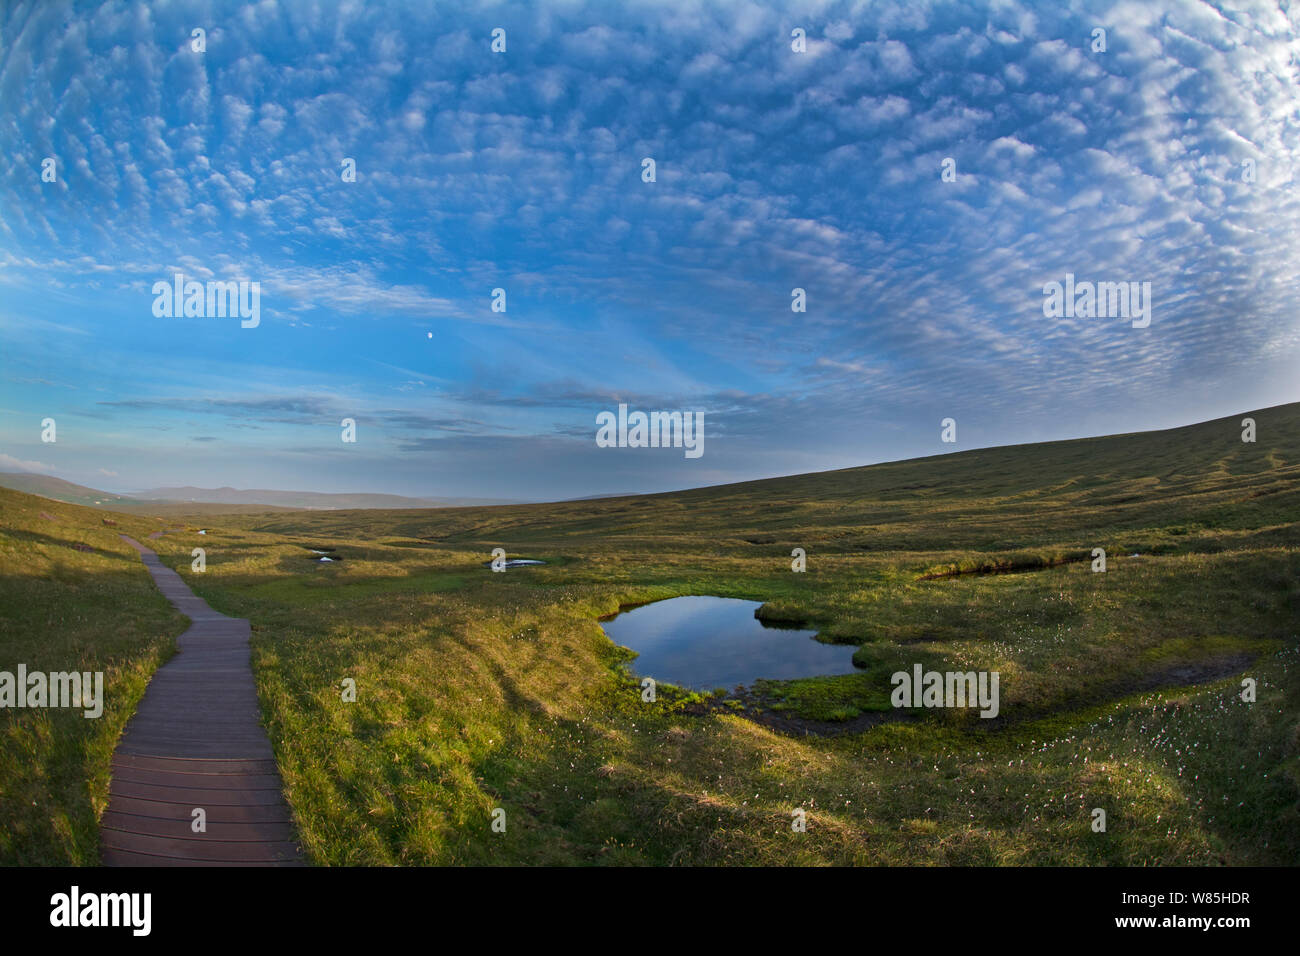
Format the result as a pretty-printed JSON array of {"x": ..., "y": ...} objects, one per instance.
[{"x": 522, "y": 170}]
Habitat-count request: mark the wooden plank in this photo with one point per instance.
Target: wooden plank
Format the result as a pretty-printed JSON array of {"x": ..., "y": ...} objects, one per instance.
[
  {"x": 200, "y": 751},
  {"x": 183, "y": 811},
  {"x": 200, "y": 781},
  {"x": 264, "y": 851},
  {"x": 214, "y": 729},
  {"x": 116, "y": 857},
  {"x": 190, "y": 765},
  {"x": 176, "y": 703},
  {"x": 181, "y": 828},
  {"x": 193, "y": 737},
  {"x": 248, "y": 718},
  {"x": 237, "y": 797}
]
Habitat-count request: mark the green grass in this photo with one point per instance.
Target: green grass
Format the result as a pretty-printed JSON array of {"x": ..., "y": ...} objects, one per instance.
[
  {"x": 67, "y": 609},
  {"x": 1118, "y": 690}
]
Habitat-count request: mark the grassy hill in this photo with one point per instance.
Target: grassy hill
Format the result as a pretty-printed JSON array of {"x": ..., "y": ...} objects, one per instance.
[
  {"x": 1120, "y": 690},
  {"x": 48, "y": 486},
  {"x": 1198, "y": 475}
]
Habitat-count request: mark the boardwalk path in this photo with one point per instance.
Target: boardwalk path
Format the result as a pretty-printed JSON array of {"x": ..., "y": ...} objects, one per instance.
[{"x": 196, "y": 741}]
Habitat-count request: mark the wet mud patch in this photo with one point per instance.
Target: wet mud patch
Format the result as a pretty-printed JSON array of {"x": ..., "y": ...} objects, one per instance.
[
  {"x": 1182, "y": 674},
  {"x": 1001, "y": 566},
  {"x": 1194, "y": 672}
]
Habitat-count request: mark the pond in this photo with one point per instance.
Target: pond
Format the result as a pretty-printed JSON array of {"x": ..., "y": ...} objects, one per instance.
[{"x": 705, "y": 642}]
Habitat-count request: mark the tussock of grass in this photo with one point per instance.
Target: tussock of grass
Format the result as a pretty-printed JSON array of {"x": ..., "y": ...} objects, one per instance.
[{"x": 1003, "y": 563}]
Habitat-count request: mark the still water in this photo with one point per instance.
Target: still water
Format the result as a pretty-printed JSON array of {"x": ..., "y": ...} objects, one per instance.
[{"x": 707, "y": 642}]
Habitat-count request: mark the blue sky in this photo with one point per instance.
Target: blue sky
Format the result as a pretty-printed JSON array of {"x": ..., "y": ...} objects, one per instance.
[{"x": 522, "y": 170}]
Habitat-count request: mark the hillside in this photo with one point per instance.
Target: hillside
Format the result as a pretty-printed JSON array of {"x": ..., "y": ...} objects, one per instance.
[
  {"x": 47, "y": 486},
  {"x": 1196, "y": 478}
]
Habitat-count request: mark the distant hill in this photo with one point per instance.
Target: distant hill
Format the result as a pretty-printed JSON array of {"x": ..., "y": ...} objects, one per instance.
[
  {"x": 48, "y": 486},
  {"x": 218, "y": 500},
  {"x": 56, "y": 489},
  {"x": 309, "y": 499}
]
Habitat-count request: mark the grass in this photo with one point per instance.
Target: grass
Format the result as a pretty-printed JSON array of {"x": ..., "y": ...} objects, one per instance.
[
  {"x": 64, "y": 608},
  {"x": 1119, "y": 691}
]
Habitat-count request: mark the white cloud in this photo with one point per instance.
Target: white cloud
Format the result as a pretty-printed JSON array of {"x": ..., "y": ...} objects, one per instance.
[{"x": 10, "y": 463}]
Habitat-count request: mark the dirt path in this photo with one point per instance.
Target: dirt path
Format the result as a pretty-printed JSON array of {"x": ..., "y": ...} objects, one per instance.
[{"x": 196, "y": 742}]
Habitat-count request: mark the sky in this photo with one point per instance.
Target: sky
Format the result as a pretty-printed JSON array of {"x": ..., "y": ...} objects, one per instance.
[{"x": 920, "y": 170}]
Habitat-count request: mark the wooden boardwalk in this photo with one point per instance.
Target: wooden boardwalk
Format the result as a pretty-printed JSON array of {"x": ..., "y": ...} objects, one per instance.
[{"x": 196, "y": 742}]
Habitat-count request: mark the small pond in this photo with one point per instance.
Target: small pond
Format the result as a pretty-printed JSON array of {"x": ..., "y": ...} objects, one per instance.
[{"x": 706, "y": 642}]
